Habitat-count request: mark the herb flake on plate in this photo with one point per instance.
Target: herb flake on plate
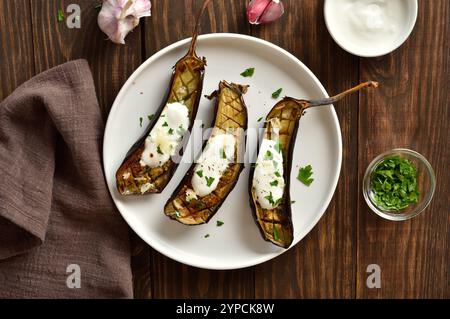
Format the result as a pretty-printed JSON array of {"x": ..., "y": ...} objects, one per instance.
[
  {"x": 305, "y": 174},
  {"x": 277, "y": 93},
  {"x": 248, "y": 73}
]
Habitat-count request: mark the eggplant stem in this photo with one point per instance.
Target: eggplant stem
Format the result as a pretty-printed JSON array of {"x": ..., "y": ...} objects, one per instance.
[
  {"x": 339, "y": 96},
  {"x": 191, "y": 51}
]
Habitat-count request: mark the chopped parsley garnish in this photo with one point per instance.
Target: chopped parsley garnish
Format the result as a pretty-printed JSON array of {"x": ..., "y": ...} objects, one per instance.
[
  {"x": 273, "y": 202},
  {"x": 158, "y": 149},
  {"x": 248, "y": 73},
  {"x": 209, "y": 181},
  {"x": 220, "y": 223},
  {"x": 207, "y": 235},
  {"x": 260, "y": 119},
  {"x": 60, "y": 15},
  {"x": 165, "y": 124},
  {"x": 276, "y": 235},
  {"x": 304, "y": 175},
  {"x": 274, "y": 183},
  {"x": 151, "y": 117},
  {"x": 170, "y": 131},
  {"x": 278, "y": 147},
  {"x": 276, "y": 94},
  {"x": 278, "y": 201},
  {"x": 293, "y": 202},
  {"x": 177, "y": 214},
  {"x": 140, "y": 121},
  {"x": 270, "y": 198},
  {"x": 200, "y": 174},
  {"x": 222, "y": 153},
  {"x": 268, "y": 156},
  {"x": 203, "y": 125},
  {"x": 394, "y": 183},
  {"x": 277, "y": 174}
]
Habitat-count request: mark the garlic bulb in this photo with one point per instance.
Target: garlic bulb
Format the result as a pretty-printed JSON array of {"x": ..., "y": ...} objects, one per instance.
[
  {"x": 264, "y": 11},
  {"x": 117, "y": 18}
]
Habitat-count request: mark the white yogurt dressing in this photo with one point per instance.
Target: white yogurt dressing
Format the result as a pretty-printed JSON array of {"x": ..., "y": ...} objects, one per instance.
[
  {"x": 268, "y": 180},
  {"x": 368, "y": 25},
  {"x": 218, "y": 154},
  {"x": 166, "y": 135}
]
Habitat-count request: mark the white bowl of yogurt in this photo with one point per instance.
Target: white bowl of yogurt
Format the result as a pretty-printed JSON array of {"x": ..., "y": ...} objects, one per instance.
[{"x": 370, "y": 28}]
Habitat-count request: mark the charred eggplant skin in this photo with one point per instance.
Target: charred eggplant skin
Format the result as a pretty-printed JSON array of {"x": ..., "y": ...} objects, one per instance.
[
  {"x": 282, "y": 213},
  {"x": 276, "y": 224},
  {"x": 186, "y": 86},
  {"x": 230, "y": 114}
]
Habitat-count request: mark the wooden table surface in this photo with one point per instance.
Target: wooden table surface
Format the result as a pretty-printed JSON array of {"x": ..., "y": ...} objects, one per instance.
[{"x": 410, "y": 109}]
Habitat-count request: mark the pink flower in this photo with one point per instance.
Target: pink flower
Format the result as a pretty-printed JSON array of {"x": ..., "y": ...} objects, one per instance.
[
  {"x": 119, "y": 17},
  {"x": 264, "y": 11}
]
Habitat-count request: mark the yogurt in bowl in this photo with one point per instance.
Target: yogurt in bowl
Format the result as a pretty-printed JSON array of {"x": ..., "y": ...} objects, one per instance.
[{"x": 370, "y": 28}]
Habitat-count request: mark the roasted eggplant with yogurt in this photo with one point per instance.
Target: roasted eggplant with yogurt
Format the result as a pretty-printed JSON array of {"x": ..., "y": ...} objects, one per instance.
[
  {"x": 270, "y": 176},
  {"x": 148, "y": 166},
  {"x": 209, "y": 181}
]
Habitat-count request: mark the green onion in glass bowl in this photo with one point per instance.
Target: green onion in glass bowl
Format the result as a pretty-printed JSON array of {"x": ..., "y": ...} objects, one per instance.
[{"x": 399, "y": 184}]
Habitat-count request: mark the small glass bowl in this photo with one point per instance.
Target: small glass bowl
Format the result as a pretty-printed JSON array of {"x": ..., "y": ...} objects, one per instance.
[{"x": 426, "y": 183}]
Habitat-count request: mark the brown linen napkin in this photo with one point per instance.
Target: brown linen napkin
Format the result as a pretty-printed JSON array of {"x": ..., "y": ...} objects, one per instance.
[{"x": 55, "y": 210}]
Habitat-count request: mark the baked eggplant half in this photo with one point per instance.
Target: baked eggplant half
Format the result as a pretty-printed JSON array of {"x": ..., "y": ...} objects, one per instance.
[
  {"x": 270, "y": 175},
  {"x": 212, "y": 177},
  {"x": 149, "y": 165}
]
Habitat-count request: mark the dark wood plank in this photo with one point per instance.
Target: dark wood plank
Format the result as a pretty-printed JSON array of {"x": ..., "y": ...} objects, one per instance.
[
  {"x": 409, "y": 110},
  {"x": 111, "y": 65},
  {"x": 141, "y": 267},
  {"x": 55, "y": 43},
  {"x": 174, "y": 280},
  {"x": 322, "y": 264},
  {"x": 16, "y": 45},
  {"x": 173, "y": 20}
]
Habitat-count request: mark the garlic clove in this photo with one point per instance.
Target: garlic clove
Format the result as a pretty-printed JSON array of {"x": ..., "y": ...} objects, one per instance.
[
  {"x": 264, "y": 11},
  {"x": 255, "y": 9},
  {"x": 117, "y": 18}
]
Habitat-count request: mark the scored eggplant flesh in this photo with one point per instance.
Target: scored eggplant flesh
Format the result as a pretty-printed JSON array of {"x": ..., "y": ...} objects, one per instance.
[
  {"x": 134, "y": 176},
  {"x": 185, "y": 205},
  {"x": 281, "y": 127}
]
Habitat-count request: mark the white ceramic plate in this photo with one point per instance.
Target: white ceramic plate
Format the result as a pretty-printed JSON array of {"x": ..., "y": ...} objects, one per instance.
[{"x": 237, "y": 243}]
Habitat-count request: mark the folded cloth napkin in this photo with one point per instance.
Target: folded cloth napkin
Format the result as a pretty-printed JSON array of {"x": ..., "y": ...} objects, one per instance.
[{"x": 60, "y": 235}]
